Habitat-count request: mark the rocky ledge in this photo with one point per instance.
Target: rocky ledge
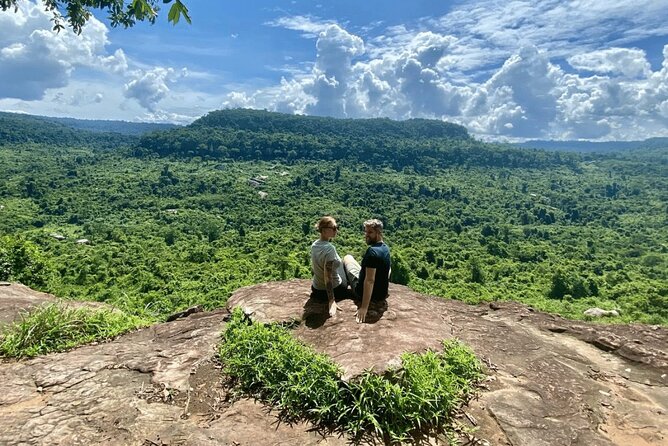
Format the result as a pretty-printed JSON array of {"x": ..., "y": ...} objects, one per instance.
[{"x": 551, "y": 381}]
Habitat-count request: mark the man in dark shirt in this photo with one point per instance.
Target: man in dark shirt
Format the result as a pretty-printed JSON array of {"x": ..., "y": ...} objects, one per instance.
[{"x": 370, "y": 280}]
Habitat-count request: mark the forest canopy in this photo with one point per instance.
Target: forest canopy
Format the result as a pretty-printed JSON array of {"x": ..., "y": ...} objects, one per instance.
[
  {"x": 185, "y": 216},
  {"x": 420, "y": 144}
]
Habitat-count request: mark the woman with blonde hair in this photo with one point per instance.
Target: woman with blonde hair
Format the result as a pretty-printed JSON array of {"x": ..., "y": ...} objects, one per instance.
[{"x": 329, "y": 277}]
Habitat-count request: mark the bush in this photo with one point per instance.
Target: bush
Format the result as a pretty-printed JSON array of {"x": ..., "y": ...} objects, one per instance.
[
  {"x": 22, "y": 261},
  {"x": 420, "y": 397}
]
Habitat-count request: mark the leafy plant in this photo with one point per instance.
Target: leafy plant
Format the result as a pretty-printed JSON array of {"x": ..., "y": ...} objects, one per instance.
[
  {"x": 23, "y": 261},
  {"x": 55, "y": 327},
  {"x": 405, "y": 403}
]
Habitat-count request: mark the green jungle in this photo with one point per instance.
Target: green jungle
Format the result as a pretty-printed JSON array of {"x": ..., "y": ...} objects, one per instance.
[{"x": 156, "y": 220}]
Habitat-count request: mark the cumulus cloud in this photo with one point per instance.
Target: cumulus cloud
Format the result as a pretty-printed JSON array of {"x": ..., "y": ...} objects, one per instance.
[
  {"x": 77, "y": 98},
  {"x": 628, "y": 62},
  {"x": 466, "y": 67},
  {"x": 116, "y": 63},
  {"x": 33, "y": 58},
  {"x": 26, "y": 70},
  {"x": 150, "y": 87},
  {"x": 518, "y": 100},
  {"x": 333, "y": 71},
  {"x": 604, "y": 106}
]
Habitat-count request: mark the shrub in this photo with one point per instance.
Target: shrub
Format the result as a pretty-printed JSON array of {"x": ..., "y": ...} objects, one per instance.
[
  {"x": 265, "y": 361},
  {"x": 22, "y": 261}
]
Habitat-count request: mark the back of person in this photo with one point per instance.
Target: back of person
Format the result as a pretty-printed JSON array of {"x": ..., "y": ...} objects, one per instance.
[
  {"x": 321, "y": 252},
  {"x": 377, "y": 256}
]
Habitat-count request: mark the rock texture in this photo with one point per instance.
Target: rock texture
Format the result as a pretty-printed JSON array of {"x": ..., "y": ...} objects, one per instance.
[{"x": 551, "y": 381}]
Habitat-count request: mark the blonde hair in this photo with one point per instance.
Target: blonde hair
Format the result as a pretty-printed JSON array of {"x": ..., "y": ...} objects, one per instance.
[
  {"x": 374, "y": 223},
  {"x": 325, "y": 222}
]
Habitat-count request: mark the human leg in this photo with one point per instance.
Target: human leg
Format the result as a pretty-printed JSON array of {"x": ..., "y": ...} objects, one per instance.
[{"x": 352, "y": 269}]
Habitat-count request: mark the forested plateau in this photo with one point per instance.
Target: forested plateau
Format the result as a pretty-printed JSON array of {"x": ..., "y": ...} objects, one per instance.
[{"x": 159, "y": 222}]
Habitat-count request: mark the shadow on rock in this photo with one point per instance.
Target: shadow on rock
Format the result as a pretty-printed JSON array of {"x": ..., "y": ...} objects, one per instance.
[
  {"x": 316, "y": 309},
  {"x": 377, "y": 309}
]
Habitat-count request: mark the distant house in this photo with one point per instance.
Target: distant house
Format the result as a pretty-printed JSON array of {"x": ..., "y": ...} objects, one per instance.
[
  {"x": 254, "y": 183},
  {"x": 262, "y": 195},
  {"x": 83, "y": 241},
  {"x": 57, "y": 236},
  {"x": 172, "y": 211}
]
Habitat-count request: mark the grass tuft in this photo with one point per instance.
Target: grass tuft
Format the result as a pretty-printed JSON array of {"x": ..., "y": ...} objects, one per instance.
[
  {"x": 55, "y": 327},
  {"x": 404, "y": 404}
]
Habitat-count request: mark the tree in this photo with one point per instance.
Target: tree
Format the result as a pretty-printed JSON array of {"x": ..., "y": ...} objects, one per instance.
[{"x": 121, "y": 12}]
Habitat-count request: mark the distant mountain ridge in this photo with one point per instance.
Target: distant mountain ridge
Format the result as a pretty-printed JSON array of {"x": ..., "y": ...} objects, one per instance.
[
  {"x": 108, "y": 126},
  {"x": 18, "y": 128},
  {"x": 265, "y": 121},
  {"x": 592, "y": 146},
  {"x": 421, "y": 144}
]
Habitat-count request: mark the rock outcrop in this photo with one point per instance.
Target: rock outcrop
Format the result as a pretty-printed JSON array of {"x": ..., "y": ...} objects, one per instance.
[{"x": 551, "y": 381}]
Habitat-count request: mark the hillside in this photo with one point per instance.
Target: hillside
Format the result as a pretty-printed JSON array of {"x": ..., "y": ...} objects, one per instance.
[
  {"x": 272, "y": 122},
  {"x": 418, "y": 143},
  {"x": 106, "y": 126},
  {"x": 595, "y": 147},
  {"x": 18, "y": 128}
]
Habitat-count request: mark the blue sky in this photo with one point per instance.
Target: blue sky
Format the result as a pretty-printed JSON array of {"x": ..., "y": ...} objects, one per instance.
[{"x": 507, "y": 70}]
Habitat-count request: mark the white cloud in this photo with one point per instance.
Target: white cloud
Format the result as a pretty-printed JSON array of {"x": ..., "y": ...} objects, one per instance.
[
  {"x": 558, "y": 27},
  {"x": 601, "y": 106},
  {"x": 33, "y": 58},
  {"x": 26, "y": 70},
  {"x": 117, "y": 63},
  {"x": 467, "y": 67},
  {"x": 78, "y": 97},
  {"x": 311, "y": 27},
  {"x": 150, "y": 87},
  {"x": 333, "y": 71},
  {"x": 239, "y": 99},
  {"x": 628, "y": 62}
]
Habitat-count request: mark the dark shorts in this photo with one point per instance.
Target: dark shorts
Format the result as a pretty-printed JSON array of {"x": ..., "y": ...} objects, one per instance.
[
  {"x": 373, "y": 298},
  {"x": 340, "y": 292}
]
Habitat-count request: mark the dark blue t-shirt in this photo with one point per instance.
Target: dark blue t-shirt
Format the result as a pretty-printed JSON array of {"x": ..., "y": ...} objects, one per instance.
[{"x": 376, "y": 256}]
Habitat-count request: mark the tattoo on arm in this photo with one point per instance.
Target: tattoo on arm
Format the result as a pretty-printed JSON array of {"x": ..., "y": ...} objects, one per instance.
[{"x": 329, "y": 278}]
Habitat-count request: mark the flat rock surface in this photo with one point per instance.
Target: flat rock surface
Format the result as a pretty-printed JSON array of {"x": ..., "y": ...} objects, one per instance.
[
  {"x": 409, "y": 323},
  {"x": 551, "y": 381}
]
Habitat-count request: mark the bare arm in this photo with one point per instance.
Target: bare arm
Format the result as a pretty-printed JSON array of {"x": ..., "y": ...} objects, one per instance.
[{"x": 369, "y": 280}]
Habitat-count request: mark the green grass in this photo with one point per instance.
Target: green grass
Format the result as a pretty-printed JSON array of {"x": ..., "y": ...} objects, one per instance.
[
  {"x": 55, "y": 327},
  {"x": 404, "y": 404}
]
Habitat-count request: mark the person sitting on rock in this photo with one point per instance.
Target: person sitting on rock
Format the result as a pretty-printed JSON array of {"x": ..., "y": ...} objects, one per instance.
[
  {"x": 370, "y": 281},
  {"x": 329, "y": 277}
]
